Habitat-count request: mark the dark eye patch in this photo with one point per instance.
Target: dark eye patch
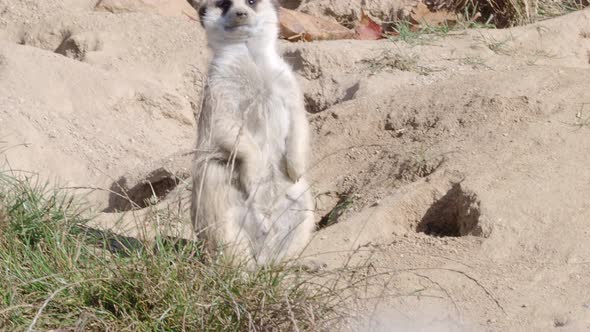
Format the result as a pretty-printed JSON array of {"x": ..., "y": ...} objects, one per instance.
[
  {"x": 224, "y": 5},
  {"x": 253, "y": 3},
  {"x": 202, "y": 13}
]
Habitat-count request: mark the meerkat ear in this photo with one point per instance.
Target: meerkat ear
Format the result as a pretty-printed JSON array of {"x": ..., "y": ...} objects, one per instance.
[
  {"x": 275, "y": 4},
  {"x": 201, "y": 7},
  {"x": 196, "y": 3}
]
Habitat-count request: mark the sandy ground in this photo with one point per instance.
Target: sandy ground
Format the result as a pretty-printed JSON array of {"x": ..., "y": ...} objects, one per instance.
[{"x": 463, "y": 159}]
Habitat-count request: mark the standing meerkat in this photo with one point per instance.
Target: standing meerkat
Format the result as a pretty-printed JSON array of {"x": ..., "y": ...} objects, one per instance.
[{"x": 250, "y": 199}]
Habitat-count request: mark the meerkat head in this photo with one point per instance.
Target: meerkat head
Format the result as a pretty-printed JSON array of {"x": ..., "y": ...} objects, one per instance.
[{"x": 228, "y": 21}]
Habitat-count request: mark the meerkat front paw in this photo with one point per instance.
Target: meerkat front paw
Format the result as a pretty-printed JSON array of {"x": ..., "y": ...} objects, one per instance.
[
  {"x": 295, "y": 169},
  {"x": 251, "y": 176},
  {"x": 248, "y": 182}
]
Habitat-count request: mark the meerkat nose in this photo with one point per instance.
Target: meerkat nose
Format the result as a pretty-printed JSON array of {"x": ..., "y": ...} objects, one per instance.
[{"x": 241, "y": 14}]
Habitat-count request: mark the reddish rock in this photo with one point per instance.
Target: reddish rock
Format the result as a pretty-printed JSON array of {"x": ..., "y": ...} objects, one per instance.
[{"x": 300, "y": 26}]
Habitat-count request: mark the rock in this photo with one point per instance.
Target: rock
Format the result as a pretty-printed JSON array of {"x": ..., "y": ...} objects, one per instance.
[
  {"x": 161, "y": 7},
  {"x": 300, "y": 26},
  {"x": 348, "y": 12},
  {"x": 421, "y": 14}
]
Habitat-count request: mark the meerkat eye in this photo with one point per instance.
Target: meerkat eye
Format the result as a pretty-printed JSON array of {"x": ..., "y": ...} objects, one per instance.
[
  {"x": 251, "y": 2},
  {"x": 223, "y": 5}
]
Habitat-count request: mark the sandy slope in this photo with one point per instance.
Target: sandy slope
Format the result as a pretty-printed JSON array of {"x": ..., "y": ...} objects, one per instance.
[{"x": 471, "y": 135}]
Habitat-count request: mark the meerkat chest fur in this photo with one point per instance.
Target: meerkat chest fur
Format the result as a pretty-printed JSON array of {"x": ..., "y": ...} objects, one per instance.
[{"x": 261, "y": 85}]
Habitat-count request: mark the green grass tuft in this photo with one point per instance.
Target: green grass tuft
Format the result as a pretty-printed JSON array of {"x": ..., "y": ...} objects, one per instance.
[{"x": 58, "y": 274}]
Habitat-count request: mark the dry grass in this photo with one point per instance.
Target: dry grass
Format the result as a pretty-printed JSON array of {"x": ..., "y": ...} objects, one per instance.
[
  {"x": 391, "y": 60},
  {"x": 58, "y": 274},
  {"x": 507, "y": 13}
]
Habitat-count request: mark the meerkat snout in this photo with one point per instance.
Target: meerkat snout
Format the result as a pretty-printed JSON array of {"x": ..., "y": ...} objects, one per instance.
[{"x": 236, "y": 18}]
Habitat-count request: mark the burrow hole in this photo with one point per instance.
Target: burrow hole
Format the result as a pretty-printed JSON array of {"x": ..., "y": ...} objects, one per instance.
[
  {"x": 457, "y": 213},
  {"x": 344, "y": 202},
  {"x": 148, "y": 192}
]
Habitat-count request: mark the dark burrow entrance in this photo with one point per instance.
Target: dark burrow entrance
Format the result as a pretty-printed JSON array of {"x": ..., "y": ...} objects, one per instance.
[
  {"x": 457, "y": 213},
  {"x": 154, "y": 187},
  {"x": 332, "y": 217}
]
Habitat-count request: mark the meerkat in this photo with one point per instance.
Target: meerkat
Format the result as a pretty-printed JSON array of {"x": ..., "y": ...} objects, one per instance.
[{"x": 250, "y": 198}]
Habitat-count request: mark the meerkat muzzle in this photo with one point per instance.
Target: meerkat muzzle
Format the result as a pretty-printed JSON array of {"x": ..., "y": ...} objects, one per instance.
[{"x": 237, "y": 18}]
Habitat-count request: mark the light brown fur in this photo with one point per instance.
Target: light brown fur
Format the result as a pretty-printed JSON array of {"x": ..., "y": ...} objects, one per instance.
[{"x": 250, "y": 199}]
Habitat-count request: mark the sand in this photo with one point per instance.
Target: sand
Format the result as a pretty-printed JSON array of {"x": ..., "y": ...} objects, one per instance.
[{"x": 463, "y": 159}]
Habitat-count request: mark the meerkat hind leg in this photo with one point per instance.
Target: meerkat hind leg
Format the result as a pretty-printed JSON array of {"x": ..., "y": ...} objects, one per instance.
[
  {"x": 291, "y": 224},
  {"x": 221, "y": 215}
]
